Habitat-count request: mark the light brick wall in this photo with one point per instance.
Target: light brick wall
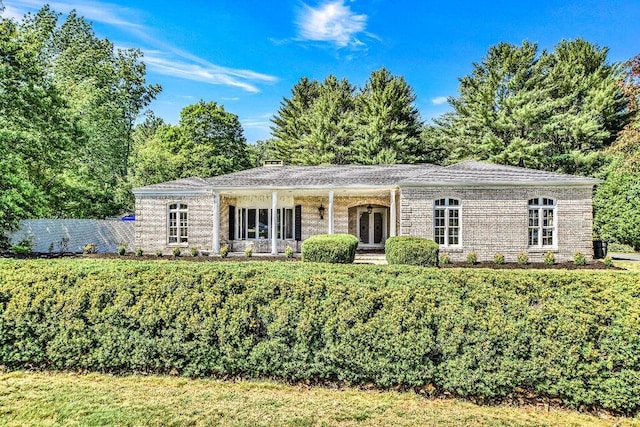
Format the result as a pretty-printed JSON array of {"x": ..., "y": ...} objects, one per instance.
[
  {"x": 151, "y": 224},
  {"x": 343, "y": 222},
  {"x": 496, "y": 220},
  {"x": 492, "y": 220}
]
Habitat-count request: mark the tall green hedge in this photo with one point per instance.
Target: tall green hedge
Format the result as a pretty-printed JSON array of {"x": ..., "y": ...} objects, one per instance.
[
  {"x": 475, "y": 333},
  {"x": 411, "y": 250},
  {"x": 332, "y": 248}
]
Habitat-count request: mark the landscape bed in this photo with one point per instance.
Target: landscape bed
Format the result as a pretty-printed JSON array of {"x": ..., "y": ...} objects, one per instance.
[{"x": 480, "y": 334}]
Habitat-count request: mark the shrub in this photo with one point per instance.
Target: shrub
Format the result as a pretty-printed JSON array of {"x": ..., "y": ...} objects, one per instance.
[
  {"x": 445, "y": 258},
  {"x": 23, "y": 247},
  {"x": 579, "y": 258},
  {"x": 194, "y": 252},
  {"x": 499, "y": 258},
  {"x": 523, "y": 258},
  {"x": 411, "y": 250},
  {"x": 472, "y": 258},
  {"x": 288, "y": 252},
  {"x": 139, "y": 252},
  {"x": 332, "y": 248},
  {"x": 176, "y": 252},
  {"x": 248, "y": 250},
  {"x": 608, "y": 261},
  {"x": 224, "y": 251},
  {"x": 90, "y": 248},
  {"x": 122, "y": 249},
  {"x": 549, "y": 258},
  {"x": 159, "y": 253},
  {"x": 479, "y": 334}
]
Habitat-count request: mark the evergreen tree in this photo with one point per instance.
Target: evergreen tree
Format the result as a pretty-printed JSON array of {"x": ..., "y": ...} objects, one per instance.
[
  {"x": 553, "y": 110},
  {"x": 387, "y": 123},
  {"x": 291, "y": 123}
]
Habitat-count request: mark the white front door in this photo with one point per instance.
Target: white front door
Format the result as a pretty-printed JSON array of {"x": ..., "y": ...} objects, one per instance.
[{"x": 372, "y": 227}]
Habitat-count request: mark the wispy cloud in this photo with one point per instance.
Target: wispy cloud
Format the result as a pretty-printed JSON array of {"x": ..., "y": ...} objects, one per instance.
[
  {"x": 162, "y": 57},
  {"x": 439, "y": 100},
  {"x": 12, "y": 13},
  {"x": 332, "y": 22},
  {"x": 103, "y": 12}
]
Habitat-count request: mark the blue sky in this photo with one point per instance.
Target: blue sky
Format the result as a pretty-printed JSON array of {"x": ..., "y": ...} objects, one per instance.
[{"x": 247, "y": 55}]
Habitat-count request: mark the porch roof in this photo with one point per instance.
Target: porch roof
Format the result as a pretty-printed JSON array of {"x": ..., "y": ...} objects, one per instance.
[{"x": 369, "y": 176}]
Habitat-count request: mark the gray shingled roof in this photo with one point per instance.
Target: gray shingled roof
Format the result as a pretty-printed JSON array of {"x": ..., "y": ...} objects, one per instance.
[
  {"x": 464, "y": 173},
  {"x": 472, "y": 172}
]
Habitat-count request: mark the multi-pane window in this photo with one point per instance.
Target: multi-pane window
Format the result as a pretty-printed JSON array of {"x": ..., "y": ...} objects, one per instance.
[
  {"x": 255, "y": 223},
  {"x": 446, "y": 224},
  {"x": 178, "y": 224},
  {"x": 542, "y": 224}
]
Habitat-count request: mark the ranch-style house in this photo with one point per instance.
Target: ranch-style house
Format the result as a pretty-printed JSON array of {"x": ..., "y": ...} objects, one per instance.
[{"x": 469, "y": 206}]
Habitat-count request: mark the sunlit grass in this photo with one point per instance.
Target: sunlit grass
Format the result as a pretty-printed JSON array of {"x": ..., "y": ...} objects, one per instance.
[
  {"x": 627, "y": 265},
  {"x": 47, "y": 399}
]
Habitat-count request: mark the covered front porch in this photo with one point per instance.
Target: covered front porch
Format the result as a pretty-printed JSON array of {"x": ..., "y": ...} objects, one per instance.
[{"x": 269, "y": 221}]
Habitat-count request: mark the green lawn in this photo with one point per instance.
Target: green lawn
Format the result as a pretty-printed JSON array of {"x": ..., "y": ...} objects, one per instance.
[
  {"x": 628, "y": 265},
  {"x": 48, "y": 399}
]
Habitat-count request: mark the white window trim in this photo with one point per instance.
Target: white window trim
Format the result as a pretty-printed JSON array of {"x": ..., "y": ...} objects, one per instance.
[
  {"x": 177, "y": 211},
  {"x": 540, "y": 207},
  {"x": 238, "y": 228},
  {"x": 447, "y": 208}
]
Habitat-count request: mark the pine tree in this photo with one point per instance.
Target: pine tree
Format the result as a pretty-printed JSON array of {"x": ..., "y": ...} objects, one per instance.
[{"x": 387, "y": 123}]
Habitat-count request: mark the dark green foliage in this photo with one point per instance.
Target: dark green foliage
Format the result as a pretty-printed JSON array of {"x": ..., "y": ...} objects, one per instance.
[
  {"x": 122, "y": 249},
  {"x": 331, "y": 122},
  {"x": 176, "y": 252},
  {"x": 554, "y": 110},
  {"x": 333, "y": 248},
  {"x": 479, "y": 334},
  {"x": 412, "y": 251}
]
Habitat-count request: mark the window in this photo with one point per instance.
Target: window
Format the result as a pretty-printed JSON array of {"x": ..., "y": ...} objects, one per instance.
[
  {"x": 178, "y": 223},
  {"x": 446, "y": 222},
  {"x": 542, "y": 224},
  {"x": 255, "y": 223}
]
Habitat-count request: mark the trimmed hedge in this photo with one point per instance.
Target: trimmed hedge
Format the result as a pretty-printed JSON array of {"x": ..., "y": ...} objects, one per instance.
[
  {"x": 411, "y": 250},
  {"x": 332, "y": 248},
  {"x": 481, "y": 334}
]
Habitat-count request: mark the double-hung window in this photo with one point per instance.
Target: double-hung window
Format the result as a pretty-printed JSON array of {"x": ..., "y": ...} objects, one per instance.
[
  {"x": 256, "y": 223},
  {"x": 446, "y": 224},
  {"x": 178, "y": 223},
  {"x": 542, "y": 222}
]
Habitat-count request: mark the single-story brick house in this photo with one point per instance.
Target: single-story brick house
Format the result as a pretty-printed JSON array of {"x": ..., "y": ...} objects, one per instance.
[{"x": 469, "y": 206}]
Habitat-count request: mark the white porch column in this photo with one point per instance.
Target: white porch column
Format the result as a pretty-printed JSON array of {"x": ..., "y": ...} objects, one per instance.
[
  {"x": 392, "y": 214},
  {"x": 274, "y": 223},
  {"x": 216, "y": 223},
  {"x": 330, "y": 230}
]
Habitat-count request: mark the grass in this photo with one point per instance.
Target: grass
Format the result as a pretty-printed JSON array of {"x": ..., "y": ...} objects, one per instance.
[
  {"x": 50, "y": 399},
  {"x": 628, "y": 265}
]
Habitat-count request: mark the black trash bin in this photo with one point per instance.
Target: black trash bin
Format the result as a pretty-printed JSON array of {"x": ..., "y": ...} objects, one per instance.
[{"x": 599, "y": 249}]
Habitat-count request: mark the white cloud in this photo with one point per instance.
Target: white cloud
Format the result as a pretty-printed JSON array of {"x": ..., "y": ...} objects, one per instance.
[
  {"x": 106, "y": 13},
  {"x": 12, "y": 13},
  {"x": 213, "y": 74},
  {"x": 439, "y": 100},
  {"x": 161, "y": 57},
  {"x": 331, "y": 22}
]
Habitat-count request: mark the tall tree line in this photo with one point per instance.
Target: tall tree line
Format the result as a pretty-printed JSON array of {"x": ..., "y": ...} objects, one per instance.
[
  {"x": 68, "y": 104},
  {"x": 333, "y": 122}
]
